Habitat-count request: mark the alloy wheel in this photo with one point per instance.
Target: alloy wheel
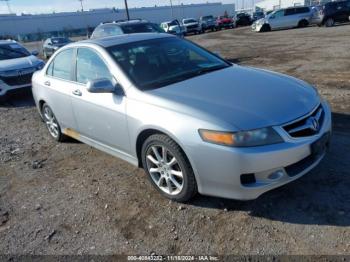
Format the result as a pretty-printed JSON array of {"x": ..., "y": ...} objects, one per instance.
[
  {"x": 51, "y": 122},
  {"x": 164, "y": 169}
]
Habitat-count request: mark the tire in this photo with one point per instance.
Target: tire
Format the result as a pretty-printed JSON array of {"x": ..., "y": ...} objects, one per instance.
[
  {"x": 172, "y": 174},
  {"x": 329, "y": 22},
  {"x": 3, "y": 98},
  {"x": 51, "y": 123},
  {"x": 303, "y": 23},
  {"x": 265, "y": 28}
]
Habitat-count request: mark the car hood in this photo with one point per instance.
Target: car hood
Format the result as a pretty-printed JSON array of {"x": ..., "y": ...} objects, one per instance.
[
  {"x": 241, "y": 97},
  {"x": 59, "y": 45},
  {"x": 190, "y": 24},
  {"x": 19, "y": 63}
]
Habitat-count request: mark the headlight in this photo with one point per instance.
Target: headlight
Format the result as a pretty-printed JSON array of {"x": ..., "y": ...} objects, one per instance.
[
  {"x": 40, "y": 66},
  {"x": 257, "y": 137}
]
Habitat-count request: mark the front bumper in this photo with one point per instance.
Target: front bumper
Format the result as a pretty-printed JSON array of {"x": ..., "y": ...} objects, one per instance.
[
  {"x": 219, "y": 169},
  {"x": 256, "y": 27},
  {"x": 5, "y": 89}
]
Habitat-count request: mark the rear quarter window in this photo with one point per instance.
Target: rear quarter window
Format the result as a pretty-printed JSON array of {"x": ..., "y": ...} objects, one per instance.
[
  {"x": 289, "y": 11},
  {"x": 61, "y": 66}
]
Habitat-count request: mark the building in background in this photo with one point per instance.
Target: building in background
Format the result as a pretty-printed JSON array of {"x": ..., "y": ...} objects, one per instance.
[
  {"x": 268, "y": 5},
  {"x": 36, "y": 27}
]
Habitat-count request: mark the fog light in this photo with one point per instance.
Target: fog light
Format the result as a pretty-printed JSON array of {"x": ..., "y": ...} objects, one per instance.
[
  {"x": 247, "y": 179},
  {"x": 276, "y": 175}
]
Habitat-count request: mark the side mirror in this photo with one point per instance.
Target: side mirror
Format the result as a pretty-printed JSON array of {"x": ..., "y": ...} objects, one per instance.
[
  {"x": 102, "y": 85},
  {"x": 49, "y": 43},
  {"x": 272, "y": 17},
  {"x": 35, "y": 53}
]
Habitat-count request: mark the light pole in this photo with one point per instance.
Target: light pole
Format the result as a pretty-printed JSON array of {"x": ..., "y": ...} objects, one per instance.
[
  {"x": 8, "y": 5},
  {"x": 81, "y": 4},
  {"x": 127, "y": 9},
  {"x": 172, "y": 12}
]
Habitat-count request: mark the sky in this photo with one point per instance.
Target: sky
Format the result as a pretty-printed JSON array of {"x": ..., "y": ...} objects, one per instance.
[{"x": 49, "y": 6}]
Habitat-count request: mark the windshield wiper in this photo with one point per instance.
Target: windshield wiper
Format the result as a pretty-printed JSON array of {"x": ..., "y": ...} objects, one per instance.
[
  {"x": 182, "y": 77},
  {"x": 210, "y": 69}
]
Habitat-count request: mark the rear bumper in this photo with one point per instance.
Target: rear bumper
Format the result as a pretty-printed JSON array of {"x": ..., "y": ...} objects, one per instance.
[
  {"x": 225, "y": 25},
  {"x": 219, "y": 169}
]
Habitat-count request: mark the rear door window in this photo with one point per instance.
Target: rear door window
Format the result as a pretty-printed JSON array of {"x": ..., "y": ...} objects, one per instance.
[{"x": 61, "y": 67}]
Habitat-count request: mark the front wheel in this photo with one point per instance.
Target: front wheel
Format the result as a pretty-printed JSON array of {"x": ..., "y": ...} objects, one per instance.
[
  {"x": 168, "y": 168},
  {"x": 265, "y": 28},
  {"x": 329, "y": 22}
]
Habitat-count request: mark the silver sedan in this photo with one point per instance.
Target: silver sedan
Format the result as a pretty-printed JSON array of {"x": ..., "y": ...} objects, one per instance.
[{"x": 192, "y": 120}]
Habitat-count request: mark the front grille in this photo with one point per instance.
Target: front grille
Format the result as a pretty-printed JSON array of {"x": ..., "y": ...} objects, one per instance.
[
  {"x": 192, "y": 26},
  {"x": 18, "y": 80},
  {"x": 307, "y": 126}
]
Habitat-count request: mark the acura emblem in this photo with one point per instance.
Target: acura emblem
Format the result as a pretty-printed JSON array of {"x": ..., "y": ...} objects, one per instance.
[{"x": 313, "y": 123}]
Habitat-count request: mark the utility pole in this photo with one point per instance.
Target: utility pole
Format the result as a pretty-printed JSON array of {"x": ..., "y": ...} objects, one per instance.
[
  {"x": 127, "y": 9},
  {"x": 172, "y": 11},
  {"x": 8, "y": 5},
  {"x": 81, "y": 4}
]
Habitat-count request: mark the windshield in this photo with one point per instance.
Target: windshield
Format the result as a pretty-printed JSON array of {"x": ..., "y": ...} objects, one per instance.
[
  {"x": 187, "y": 21},
  {"x": 59, "y": 40},
  {"x": 172, "y": 23},
  {"x": 11, "y": 51},
  {"x": 159, "y": 62},
  {"x": 141, "y": 28},
  {"x": 208, "y": 17}
]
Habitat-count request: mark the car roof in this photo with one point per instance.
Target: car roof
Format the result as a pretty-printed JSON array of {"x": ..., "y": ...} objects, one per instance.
[
  {"x": 125, "y": 22},
  {"x": 125, "y": 38}
]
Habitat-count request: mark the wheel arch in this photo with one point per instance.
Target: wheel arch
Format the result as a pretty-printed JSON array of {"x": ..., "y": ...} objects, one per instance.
[{"x": 147, "y": 132}]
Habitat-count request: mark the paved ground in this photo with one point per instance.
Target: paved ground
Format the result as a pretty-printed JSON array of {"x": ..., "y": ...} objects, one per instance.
[{"x": 69, "y": 198}]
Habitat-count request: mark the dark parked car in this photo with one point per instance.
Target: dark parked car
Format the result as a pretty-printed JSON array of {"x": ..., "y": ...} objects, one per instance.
[
  {"x": 243, "y": 19},
  {"x": 224, "y": 22},
  {"x": 207, "y": 23},
  {"x": 333, "y": 12},
  {"x": 121, "y": 27},
  {"x": 51, "y": 45},
  {"x": 258, "y": 15}
]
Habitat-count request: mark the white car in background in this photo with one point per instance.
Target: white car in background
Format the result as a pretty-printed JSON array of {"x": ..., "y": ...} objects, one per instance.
[
  {"x": 17, "y": 66},
  {"x": 297, "y": 16},
  {"x": 192, "y": 26},
  {"x": 173, "y": 27}
]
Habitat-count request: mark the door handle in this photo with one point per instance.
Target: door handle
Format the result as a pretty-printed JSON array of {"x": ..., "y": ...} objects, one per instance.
[
  {"x": 77, "y": 92},
  {"x": 47, "y": 83}
]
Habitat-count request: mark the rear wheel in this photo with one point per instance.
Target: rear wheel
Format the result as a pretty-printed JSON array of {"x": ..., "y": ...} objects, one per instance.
[
  {"x": 168, "y": 168},
  {"x": 52, "y": 124},
  {"x": 329, "y": 22},
  {"x": 303, "y": 23}
]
